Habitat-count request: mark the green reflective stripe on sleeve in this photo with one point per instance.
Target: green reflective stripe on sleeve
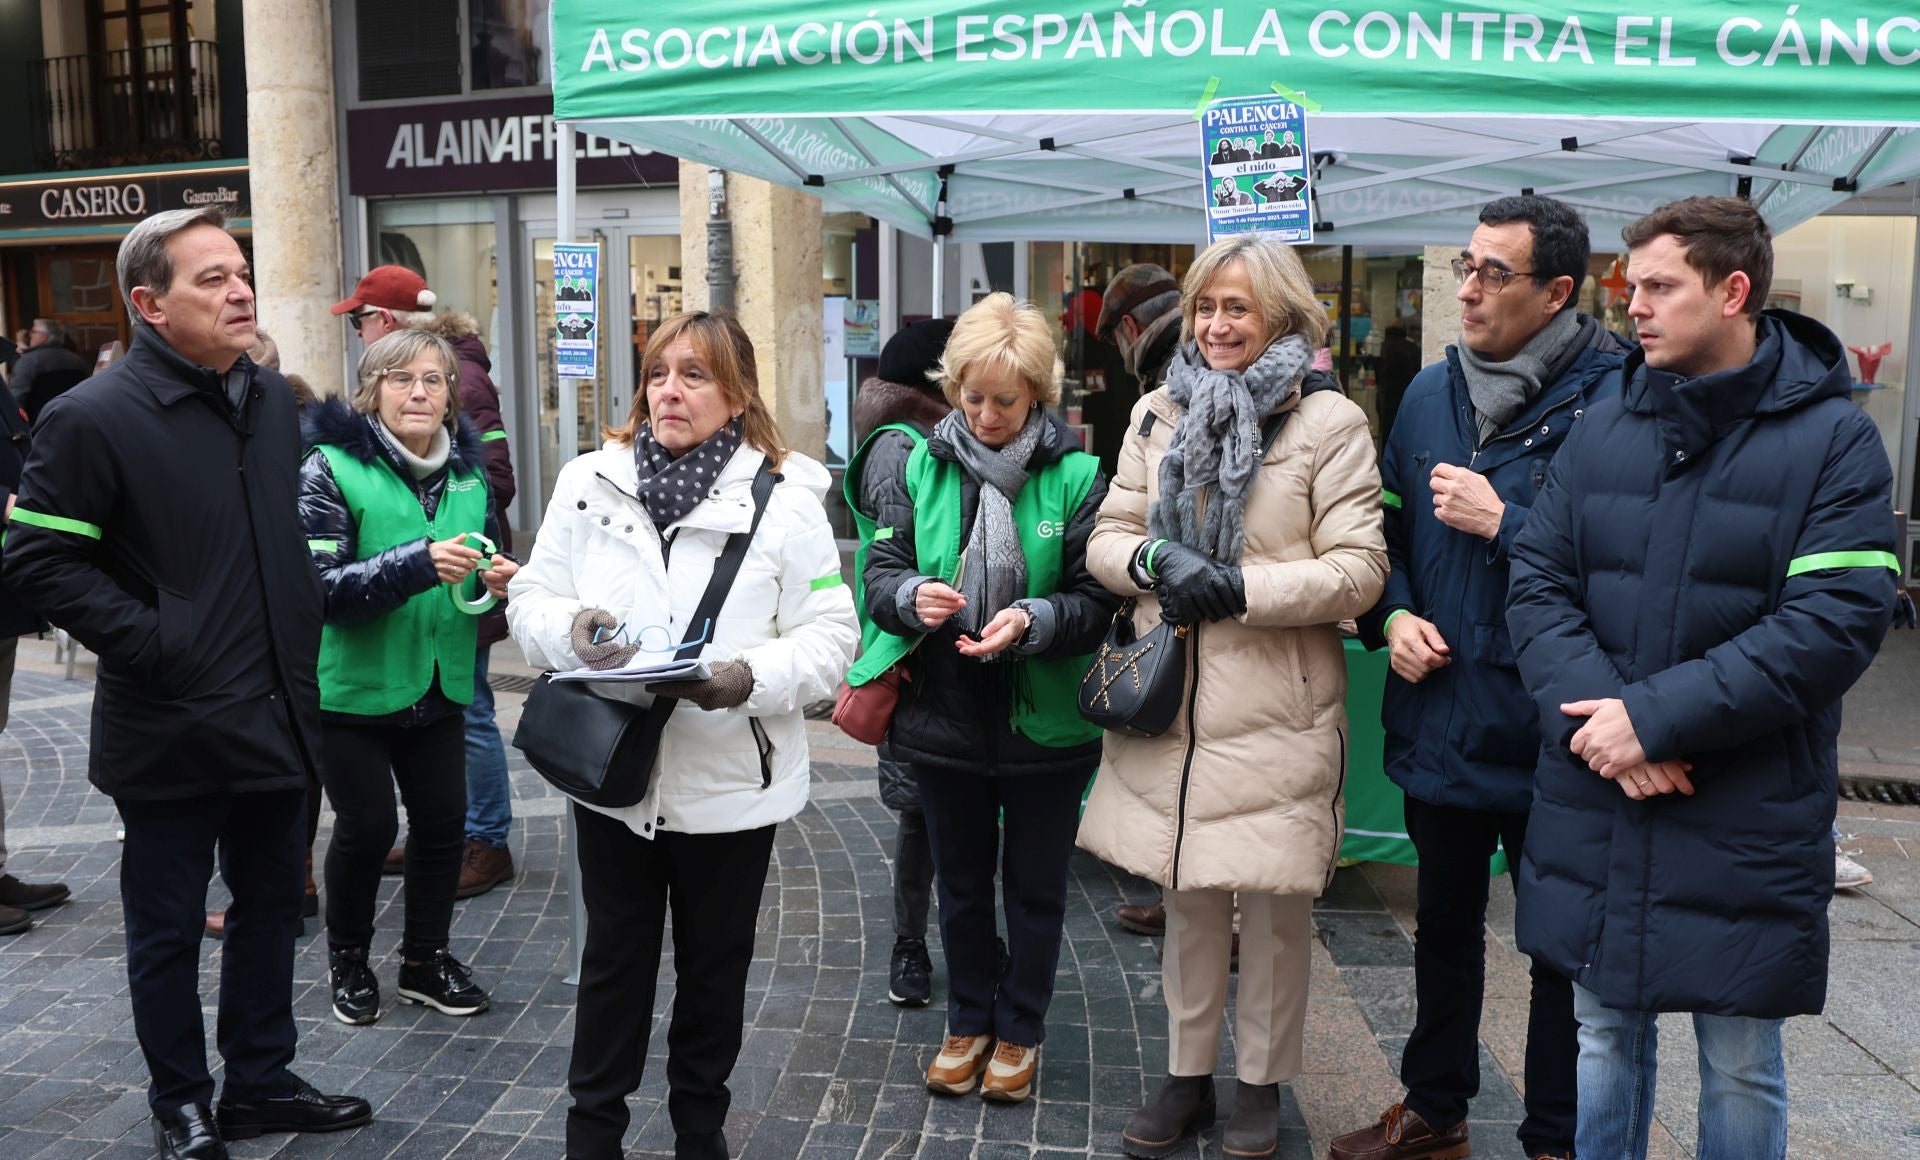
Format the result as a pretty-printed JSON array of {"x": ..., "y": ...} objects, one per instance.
[
  {"x": 323, "y": 545},
  {"x": 1391, "y": 617},
  {"x": 56, "y": 523},
  {"x": 1146, "y": 560},
  {"x": 830, "y": 580},
  {"x": 1389, "y": 498},
  {"x": 490, "y": 436},
  {"x": 1822, "y": 560},
  {"x": 882, "y": 534}
]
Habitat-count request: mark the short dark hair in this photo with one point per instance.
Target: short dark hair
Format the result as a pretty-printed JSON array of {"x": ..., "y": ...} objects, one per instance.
[
  {"x": 1560, "y": 244},
  {"x": 1720, "y": 235}
]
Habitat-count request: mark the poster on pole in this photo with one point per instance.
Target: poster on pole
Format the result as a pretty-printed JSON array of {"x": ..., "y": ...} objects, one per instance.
[
  {"x": 1259, "y": 170},
  {"x": 576, "y": 309}
]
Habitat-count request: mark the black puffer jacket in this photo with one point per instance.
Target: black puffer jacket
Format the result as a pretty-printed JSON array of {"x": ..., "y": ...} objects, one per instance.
[
  {"x": 955, "y": 711},
  {"x": 362, "y": 590}
]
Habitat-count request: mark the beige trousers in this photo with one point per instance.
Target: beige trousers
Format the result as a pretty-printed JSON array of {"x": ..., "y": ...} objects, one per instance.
[{"x": 1274, "y": 962}]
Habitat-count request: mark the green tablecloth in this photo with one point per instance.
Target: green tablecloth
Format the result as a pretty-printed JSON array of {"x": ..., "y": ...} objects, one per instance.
[{"x": 1376, "y": 818}]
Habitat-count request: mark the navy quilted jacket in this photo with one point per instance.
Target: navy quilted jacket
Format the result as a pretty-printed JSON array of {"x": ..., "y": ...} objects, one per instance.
[
  {"x": 1465, "y": 737},
  {"x": 1718, "y": 553}
]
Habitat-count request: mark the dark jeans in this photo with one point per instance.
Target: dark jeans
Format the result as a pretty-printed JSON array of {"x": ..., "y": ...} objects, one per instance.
[
  {"x": 912, "y": 875},
  {"x": 1441, "y": 1066},
  {"x": 164, "y": 869},
  {"x": 1042, "y": 812},
  {"x": 363, "y": 764},
  {"x": 712, "y": 883}
]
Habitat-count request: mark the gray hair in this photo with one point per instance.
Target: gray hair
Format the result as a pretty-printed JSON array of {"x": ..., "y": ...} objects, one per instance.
[
  {"x": 56, "y": 330},
  {"x": 393, "y": 352},
  {"x": 144, "y": 260}
]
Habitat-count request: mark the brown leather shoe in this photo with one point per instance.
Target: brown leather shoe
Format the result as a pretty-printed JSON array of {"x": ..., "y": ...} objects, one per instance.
[
  {"x": 14, "y": 920},
  {"x": 1147, "y": 920},
  {"x": 1402, "y": 1135},
  {"x": 1010, "y": 1073},
  {"x": 31, "y": 895},
  {"x": 396, "y": 863},
  {"x": 484, "y": 869},
  {"x": 957, "y": 1068}
]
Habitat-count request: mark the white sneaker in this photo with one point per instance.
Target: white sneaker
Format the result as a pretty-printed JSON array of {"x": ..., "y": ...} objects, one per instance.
[{"x": 1848, "y": 874}]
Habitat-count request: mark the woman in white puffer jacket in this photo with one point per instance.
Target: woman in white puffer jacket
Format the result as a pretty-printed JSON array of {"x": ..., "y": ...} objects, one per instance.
[{"x": 625, "y": 552}]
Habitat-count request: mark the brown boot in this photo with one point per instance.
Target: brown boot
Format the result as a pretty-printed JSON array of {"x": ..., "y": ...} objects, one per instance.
[
  {"x": 485, "y": 868},
  {"x": 1402, "y": 1135},
  {"x": 396, "y": 863},
  {"x": 1147, "y": 920}
]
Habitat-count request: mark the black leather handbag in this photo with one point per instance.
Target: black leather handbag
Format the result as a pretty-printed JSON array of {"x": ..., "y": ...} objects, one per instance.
[
  {"x": 1136, "y": 683},
  {"x": 602, "y": 751}
]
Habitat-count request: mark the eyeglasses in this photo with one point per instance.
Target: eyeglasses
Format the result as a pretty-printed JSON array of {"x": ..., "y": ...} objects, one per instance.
[
  {"x": 1492, "y": 278},
  {"x": 638, "y": 638},
  {"x": 435, "y": 382},
  {"x": 359, "y": 318}
]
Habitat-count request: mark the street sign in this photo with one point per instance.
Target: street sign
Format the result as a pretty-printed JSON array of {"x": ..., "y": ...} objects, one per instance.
[
  {"x": 576, "y": 303},
  {"x": 1259, "y": 170}
]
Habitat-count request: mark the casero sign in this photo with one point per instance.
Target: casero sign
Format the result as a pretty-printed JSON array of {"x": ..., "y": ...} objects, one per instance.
[
  {"x": 482, "y": 147},
  {"x": 120, "y": 199}
]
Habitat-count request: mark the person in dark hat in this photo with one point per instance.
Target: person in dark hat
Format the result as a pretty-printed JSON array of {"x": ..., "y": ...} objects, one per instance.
[{"x": 893, "y": 413}]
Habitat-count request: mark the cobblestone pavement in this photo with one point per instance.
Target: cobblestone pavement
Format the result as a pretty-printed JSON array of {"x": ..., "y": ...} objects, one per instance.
[{"x": 830, "y": 1069}]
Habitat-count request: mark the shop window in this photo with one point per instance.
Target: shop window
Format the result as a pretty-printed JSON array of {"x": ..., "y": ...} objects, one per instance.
[
  {"x": 451, "y": 244},
  {"x": 408, "y": 50},
  {"x": 508, "y": 42}
]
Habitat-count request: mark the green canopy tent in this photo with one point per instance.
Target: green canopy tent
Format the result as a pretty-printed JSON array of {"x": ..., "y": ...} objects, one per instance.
[{"x": 998, "y": 120}]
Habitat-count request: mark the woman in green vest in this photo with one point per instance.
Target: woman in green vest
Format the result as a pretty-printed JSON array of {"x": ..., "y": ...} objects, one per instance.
[
  {"x": 977, "y": 577},
  {"x": 394, "y": 498}
]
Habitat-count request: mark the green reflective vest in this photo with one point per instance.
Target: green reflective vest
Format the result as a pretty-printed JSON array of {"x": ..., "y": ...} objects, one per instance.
[
  {"x": 871, "y": 634},
  {"x": 1048, "y": 710},
  {"x": 386, "y": 664}
]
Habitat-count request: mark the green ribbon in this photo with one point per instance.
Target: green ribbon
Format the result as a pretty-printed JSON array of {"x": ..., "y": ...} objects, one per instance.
[{"x": 458, "y": 593}]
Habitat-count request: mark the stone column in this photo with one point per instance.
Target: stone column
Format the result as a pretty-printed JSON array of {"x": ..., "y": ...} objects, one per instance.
[
  {"x": 777, "y": 262},
  {"x": 294, "y": 164},
  {"x": 1439, "y": 309}
]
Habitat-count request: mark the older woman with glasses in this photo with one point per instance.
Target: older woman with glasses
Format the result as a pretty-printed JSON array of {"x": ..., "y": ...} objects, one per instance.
[{"x": 397, "y": 512}]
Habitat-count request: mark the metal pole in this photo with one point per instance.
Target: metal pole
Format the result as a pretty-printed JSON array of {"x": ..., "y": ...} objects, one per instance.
[
  {"x": 567, "y": 445},
  {"x": 939, "y": 276}
]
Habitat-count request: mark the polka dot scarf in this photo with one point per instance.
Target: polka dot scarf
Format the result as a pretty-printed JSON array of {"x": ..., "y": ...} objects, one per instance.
[{"x": 672, "y": 487}]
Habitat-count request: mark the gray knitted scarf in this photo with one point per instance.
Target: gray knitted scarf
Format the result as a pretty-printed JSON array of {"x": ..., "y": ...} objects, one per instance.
[
  {"x": 1216, "y": 446},
  {"x": 1501, "y": 390},
  {"x": 995, "y": 573}
]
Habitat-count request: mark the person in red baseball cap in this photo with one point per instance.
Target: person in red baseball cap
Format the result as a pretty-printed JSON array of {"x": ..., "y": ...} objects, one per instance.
[{"x": 384, "y": 299}]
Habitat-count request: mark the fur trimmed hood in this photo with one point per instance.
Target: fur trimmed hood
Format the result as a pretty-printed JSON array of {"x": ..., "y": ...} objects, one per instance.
[
  {"x": 452, "y": 325},
  {"x": 333, "y": 422},
  {"x": 881, "y": 402}
]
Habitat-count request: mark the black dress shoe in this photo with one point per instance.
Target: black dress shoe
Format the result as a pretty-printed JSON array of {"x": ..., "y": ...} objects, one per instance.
[
  {"x": 186, "y": 1133},
  {"x": 305, "y": 1110}
]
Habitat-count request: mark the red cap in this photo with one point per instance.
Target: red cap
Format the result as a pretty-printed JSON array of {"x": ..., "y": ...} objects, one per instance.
[{"x": 389, "y": 288}]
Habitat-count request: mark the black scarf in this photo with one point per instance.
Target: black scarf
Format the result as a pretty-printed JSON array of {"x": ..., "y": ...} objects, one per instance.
[{"x": 671, "y": 487}]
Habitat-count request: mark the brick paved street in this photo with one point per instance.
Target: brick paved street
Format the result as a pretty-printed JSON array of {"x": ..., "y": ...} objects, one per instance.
[{"x": 830, "y": 1069}]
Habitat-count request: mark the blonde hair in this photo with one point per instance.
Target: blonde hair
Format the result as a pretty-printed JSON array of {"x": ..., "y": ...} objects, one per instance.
[
  {"x": 721, "y": 343},
  {"x": 395, "y": 352},
  {"x": 1000, "y": 335},
  {"x": 1281, "y": 288}
]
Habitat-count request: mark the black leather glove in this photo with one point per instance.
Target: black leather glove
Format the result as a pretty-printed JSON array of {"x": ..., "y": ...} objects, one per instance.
[{"x": 1192, "y": 587}]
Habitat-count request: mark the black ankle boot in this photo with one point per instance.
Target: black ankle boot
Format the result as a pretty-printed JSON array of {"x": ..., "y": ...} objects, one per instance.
[
  {"x": 1179, "y": 1111},
  {"x": 700, "y": 1146},
  {"x": 1254, "y": 1127}
]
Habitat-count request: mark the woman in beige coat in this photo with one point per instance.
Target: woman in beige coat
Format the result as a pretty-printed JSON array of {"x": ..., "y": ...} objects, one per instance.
[{"x": 1263, "y": 553}]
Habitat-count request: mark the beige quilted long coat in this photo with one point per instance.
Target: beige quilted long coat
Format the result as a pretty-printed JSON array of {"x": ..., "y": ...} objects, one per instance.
[{"x": 1248, "y": 797}]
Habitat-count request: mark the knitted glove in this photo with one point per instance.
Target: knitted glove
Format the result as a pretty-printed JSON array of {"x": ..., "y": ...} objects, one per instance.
[
  {"x": 1192, "y": 587},
  {"x": 731, "y": 684},
  {"x": 609, "y": 653}
]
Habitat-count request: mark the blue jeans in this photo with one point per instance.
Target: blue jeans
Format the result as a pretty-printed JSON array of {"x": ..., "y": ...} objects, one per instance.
[
  {"x": 489, "y": 792},
  {"x": 1743, "y": 1084}
]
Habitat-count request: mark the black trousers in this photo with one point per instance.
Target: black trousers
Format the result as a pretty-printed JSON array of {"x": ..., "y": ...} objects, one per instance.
[
  {"x": 712, "y": 883},
  {"x": 164, "y": 870},
  {"x": 1441, "y": 1066},
  {"x": 912, "y": 874},
  {"x": 362, "y": 765},
  {"x": 1042, "y": 812}
]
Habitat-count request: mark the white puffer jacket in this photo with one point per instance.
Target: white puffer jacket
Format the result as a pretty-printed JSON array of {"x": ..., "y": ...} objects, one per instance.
[{"x": 789, "y": 616}]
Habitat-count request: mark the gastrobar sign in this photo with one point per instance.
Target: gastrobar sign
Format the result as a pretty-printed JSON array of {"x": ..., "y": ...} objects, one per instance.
[
  {"x": 482, "y": 147},
  {"x": 120, "y": 199}
]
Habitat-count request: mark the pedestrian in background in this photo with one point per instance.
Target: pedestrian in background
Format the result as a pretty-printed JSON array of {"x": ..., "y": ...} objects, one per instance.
[
  {"x": 392, "y": 496},
  {"x": 189, "y": 580},
  {"x": 391, "y": 298},
  {"x": 985, "y": 566},
  {"x": 630, "y": 541},
  {"x": 1248, "y": 507},
  {"x": 1459, "y": 728},
  {"x": 1709, "y": 568},
  {"x": 48, "y": 367},
  {"x": 892, "y": 415}
]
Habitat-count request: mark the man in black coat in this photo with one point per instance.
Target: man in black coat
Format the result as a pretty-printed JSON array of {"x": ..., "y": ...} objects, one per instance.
[
  {"x": 157, "y": 522},
  {"x": 47, "y": 368},
  {"x": 1710, "y": 566}
]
